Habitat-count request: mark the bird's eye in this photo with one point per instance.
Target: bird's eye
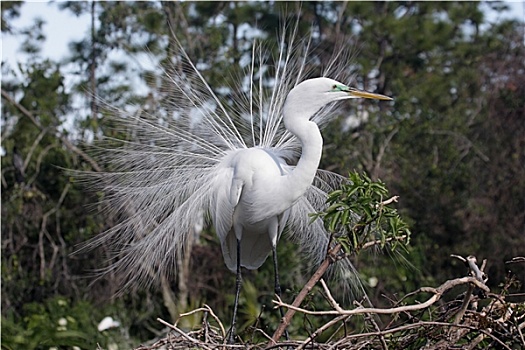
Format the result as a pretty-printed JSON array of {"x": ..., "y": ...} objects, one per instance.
[{"x": 334, "y": 87}]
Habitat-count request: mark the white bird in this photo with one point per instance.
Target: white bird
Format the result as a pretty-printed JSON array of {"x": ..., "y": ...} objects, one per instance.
[
  {"x": 233, "y": 161},
  {"x": 251, "y": 208}
]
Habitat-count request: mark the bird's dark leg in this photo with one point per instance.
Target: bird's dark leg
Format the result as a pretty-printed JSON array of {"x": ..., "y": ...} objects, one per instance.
[
  {"x": 231, "y": 337},
  {"x": 278, "y": 286}
]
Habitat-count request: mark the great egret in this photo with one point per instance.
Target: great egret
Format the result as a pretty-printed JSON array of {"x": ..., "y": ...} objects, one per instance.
[
  {"x": 233, "y": 163},
  {"x": 252, "y": 208}
]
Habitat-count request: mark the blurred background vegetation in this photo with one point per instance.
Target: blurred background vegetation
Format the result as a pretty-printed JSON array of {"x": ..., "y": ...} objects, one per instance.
[{"x": 452, "y": 146}]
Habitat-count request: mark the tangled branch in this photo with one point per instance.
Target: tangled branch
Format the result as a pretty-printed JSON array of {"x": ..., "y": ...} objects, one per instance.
[{"x": 499, "y": 324}]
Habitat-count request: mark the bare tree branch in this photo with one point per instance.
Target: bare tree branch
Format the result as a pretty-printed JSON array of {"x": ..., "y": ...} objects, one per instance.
[{"x": 438, "y": 292}]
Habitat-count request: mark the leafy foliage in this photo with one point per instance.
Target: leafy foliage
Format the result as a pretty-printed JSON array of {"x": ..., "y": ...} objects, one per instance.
[{"x": 367, "y": 200}]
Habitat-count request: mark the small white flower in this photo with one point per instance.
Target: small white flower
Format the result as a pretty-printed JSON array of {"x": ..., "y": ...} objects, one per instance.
[
  {"x": 107, "y": 323},
  {"x": 62, "y": 322},
  {"x": 373, "y": 281},
  {"x": 112, "y": 346}
]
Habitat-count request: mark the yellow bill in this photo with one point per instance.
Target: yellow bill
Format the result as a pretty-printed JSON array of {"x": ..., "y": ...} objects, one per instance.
[{"x": 366, "y": 94}]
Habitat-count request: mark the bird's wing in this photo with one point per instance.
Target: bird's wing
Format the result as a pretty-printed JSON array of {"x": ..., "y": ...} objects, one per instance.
[
  {"x": 228, "y": 191},
  {"x": 226, "y": 194}
]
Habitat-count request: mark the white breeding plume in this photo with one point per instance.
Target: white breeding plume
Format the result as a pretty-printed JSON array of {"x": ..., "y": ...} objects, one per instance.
[{"x": 249, "y": 165}]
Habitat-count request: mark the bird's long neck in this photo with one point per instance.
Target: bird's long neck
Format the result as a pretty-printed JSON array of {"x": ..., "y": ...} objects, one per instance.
[{"x": 302, "y": 176}]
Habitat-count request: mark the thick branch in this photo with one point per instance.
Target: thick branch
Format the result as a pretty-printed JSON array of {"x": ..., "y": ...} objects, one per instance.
[{"x": 329, "y": 260}]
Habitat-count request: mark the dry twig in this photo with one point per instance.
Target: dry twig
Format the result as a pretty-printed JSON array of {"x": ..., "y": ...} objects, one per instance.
[{"x": 438, "y": 292}]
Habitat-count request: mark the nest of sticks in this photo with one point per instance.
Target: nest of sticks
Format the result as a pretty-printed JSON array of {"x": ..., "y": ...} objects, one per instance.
[{"x": 475, "y": 318}]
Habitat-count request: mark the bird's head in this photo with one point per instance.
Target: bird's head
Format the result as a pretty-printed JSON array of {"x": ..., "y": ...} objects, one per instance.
[{"x": 309, "y": 96}]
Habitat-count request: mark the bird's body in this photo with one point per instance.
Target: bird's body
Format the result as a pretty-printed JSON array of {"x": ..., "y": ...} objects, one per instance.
[{"x": 251, "y": 207}]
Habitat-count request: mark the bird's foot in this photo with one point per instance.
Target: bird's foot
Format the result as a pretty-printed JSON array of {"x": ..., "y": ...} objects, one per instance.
[{"x": 230, "y": 336}]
